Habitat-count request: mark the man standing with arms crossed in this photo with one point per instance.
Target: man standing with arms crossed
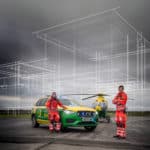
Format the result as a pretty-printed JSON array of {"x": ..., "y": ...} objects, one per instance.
[{"x": 120, "y": 101}]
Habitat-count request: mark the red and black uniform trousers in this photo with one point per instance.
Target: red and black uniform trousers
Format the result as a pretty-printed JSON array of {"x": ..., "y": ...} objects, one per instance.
[
  {"x": 121, "y": 119},
  {"x": 54, "y": 118}
]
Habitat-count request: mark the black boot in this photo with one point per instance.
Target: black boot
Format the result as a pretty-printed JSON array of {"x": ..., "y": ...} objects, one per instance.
[
  {"x": 122, "y": 137},
  {"x": 116, "y": 136}
]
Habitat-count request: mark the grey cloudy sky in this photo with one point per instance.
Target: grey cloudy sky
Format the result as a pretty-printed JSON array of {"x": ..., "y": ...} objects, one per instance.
[{"x": 19, "y": 18}]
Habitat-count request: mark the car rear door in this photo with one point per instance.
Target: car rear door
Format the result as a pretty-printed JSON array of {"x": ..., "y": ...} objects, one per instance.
[{"x": 42, "y": 110}]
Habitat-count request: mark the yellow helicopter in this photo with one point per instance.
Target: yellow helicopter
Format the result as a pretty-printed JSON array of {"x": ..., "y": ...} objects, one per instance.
[{"x": 100, "y": 105}]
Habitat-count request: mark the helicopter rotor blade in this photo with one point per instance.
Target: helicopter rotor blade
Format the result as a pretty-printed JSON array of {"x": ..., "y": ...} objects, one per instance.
[
  {"x": 76, "y": 94},
  {"x": 131, "y": 99},
  {"x": 94, "y": 95},
  {"x": 90, "y": 97},
  {"x": 100, "y": 94}
]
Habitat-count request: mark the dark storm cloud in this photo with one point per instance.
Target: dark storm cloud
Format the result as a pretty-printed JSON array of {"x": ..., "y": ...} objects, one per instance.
[
  {"x": 9, "y": 43},
  {"x": 17, "y": 22},
  {"x": 19, "y": 18}
]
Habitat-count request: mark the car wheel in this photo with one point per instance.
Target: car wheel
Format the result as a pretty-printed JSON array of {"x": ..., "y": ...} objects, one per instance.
[
  {"x": 90, "y": 128},
  {"x": 63, "y": 129},
  {"x": 34, "y": 122}
]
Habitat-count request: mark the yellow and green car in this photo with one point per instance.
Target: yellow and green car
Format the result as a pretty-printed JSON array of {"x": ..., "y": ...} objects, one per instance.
[{"x": 74, "y": 116}]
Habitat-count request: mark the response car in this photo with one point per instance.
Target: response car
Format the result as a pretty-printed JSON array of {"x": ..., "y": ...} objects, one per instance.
[{"x": 74, "y": 116}]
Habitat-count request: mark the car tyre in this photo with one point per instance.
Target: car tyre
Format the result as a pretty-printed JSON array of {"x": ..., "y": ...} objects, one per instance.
[
  {"x": 34, "y": 122},
  {"x": 88, "y": 128},
  {"x": 63, "y": 129}
]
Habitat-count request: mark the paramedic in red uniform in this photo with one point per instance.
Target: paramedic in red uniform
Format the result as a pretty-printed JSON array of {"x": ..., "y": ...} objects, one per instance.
[
  {"x": 53, "y": 114},
  {"x": 120, "y": 101}
]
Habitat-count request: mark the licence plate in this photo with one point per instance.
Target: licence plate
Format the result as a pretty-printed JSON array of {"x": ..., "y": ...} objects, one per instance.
[{"x": 86, "y": 119}]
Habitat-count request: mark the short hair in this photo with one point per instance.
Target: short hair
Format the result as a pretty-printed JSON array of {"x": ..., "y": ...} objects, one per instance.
[{"x": 121, "y": 86}]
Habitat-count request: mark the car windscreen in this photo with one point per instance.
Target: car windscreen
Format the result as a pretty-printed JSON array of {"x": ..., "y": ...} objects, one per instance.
[{"x": 68, "y": 102}]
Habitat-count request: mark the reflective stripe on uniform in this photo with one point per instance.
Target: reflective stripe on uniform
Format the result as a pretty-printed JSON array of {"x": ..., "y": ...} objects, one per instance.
[{"x": 121, "y": 132}]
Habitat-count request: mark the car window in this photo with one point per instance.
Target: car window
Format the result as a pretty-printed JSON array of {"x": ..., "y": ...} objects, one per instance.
[
  {"x": 41, "y": 102},
  {"x": 37, "y": 103}
]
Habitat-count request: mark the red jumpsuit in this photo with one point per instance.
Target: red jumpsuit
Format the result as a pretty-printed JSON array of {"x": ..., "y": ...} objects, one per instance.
[
  {"x": 53, "y": 114},
  {"x": 121, "y": 117}
]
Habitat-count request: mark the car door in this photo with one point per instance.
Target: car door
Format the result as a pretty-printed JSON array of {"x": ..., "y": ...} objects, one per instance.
[
  {"x": 39, "y": 109},
  {"x": 44, "y": 112}
]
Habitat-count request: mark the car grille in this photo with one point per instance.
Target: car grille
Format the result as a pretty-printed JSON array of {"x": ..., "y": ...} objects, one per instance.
[
  {"x": 85, "y": 123},
  {"x": 85, "y": 113},
  {"x": 70, "y": 120}
]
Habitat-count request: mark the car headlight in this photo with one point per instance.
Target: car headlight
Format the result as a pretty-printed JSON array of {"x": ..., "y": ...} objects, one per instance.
[{"x": 68, "y": 112}]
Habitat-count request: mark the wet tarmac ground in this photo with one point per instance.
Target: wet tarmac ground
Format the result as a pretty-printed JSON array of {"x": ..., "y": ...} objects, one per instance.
[{"x": 19, "y": 134}]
